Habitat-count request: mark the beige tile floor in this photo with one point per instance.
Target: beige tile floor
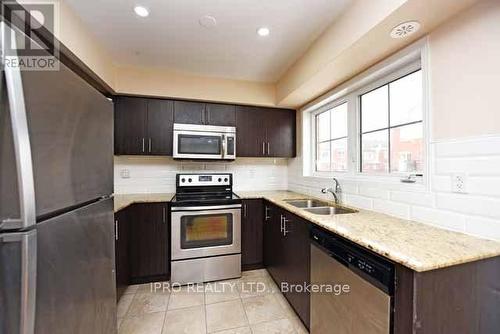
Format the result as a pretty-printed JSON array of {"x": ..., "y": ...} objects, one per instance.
[{"x": 237, "y": 306}]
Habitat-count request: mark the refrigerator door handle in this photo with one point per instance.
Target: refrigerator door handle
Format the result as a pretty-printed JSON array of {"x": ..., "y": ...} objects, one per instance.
[
  {"x": 22, "y": 146},
  {"x": 28, "y": 271}
]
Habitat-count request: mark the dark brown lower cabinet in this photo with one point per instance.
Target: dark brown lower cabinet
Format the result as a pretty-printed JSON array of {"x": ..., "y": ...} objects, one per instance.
[
  {"x": 287, "y": 257},
  {"x": 456, "y": 300},
  {"x": 149, "y": 242},
  {"x": 252, "y": 234},
  {"x": 121, "y": 251}
]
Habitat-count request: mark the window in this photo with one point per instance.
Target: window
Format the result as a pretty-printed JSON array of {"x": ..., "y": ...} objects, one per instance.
[
  {"x": 331, "y": 139},
  {"x": 391, "y": 126}
]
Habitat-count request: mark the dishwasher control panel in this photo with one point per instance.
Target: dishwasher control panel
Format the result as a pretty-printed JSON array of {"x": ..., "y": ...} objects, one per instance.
[{"x": 372, "y": 267}]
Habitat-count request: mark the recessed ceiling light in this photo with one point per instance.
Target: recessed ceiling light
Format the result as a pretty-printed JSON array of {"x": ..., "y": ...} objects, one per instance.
[
  {"x": 207, "y": 21},
  {"x": 405, "y": 29},
  {"x": 141, "y": 11},
  {"x": 263, "y": 31}
]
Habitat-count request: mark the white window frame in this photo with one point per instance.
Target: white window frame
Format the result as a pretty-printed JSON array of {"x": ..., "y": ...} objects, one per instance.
[
  {"x": 313, "y": 115},
  {"x": 402, "y": 63}
]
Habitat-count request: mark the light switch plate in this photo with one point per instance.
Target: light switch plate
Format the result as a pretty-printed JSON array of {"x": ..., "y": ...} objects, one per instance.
[
  {"x": 459, "y": 183},
  {"x": 125, "y": 173}
]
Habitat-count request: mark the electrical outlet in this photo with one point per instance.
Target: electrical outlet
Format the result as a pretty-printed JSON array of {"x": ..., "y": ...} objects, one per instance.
[
  {"x": 458, "y": 183},
  {"x": 125, "y": 173}
]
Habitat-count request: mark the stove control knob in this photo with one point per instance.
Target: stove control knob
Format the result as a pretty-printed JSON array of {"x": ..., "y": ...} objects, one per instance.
[
  {"x": 225, "y": 179},
  {"x": 190, "y": 180},
  {"x": 220, "y": 180},
  {"x": 183, "y": 180}
]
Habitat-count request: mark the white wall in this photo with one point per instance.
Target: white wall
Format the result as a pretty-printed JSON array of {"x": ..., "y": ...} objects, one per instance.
[
  {"x": 465, "y": 138},
  {"x": 157, "y": 174}
]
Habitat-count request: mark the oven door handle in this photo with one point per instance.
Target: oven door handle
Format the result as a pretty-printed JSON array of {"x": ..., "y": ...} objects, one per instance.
[{"x": 203, "y": 208}]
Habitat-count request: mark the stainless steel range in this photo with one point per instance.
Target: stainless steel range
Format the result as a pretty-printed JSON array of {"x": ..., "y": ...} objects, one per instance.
[{"x": 206, "y": 229}]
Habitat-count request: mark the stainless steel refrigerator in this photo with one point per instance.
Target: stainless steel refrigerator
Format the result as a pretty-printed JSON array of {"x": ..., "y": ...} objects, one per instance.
[{"x": 56, "y": 206}]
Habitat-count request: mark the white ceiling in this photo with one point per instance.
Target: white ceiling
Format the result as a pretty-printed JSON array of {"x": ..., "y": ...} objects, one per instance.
[{"x": 172, "y": 38}]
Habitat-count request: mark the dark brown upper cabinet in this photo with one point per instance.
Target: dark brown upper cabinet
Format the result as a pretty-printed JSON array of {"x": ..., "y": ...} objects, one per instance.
[
  {"x": 188, "y": 112},
  {"x": 265, "y": 132},
  {"x": 143, "y": 126},
  {"x": 131, "y": 115},
  {"x": 220, "y": 114}
]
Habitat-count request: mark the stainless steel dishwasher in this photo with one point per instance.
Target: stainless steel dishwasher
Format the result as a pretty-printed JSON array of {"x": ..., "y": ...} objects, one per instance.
[{"x": 367, "y": 307}]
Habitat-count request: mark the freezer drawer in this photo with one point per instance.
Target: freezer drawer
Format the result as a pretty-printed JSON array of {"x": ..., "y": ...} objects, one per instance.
[
  {"x": 76, "y": 290},
  {"x": 17, "y": 282}
]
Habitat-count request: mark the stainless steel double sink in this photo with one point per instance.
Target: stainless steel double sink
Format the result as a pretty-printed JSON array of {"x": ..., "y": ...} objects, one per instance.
[{"x": 318, "y": 207}]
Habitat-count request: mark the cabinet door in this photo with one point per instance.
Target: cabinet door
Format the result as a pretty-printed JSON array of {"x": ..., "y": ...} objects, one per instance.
[
  {"x": 149, "y": 242},
  {"x": 220, "y": 114},
  {"x": 280, "y": 133},
  {"x": 251, "y": 234},
  {"x": 160, "y": 126},
  {"x": 297, "y": 263},
  {"x": 130, "y": 125},
  {"x": 121, "y": 251},
  {"x": 250, "y": 131},
  {"x": 274, "y": 248},
  {"x": 187, "y": 112}
]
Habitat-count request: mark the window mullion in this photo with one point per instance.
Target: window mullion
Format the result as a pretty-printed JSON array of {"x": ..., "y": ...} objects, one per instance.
[{"x": 389, "y": 128}]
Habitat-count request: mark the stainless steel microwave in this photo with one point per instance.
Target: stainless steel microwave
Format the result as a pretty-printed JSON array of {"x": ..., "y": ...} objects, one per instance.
[{"x": 208, "y": 142}]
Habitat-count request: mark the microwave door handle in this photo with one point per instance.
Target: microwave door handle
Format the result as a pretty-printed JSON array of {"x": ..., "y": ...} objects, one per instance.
[
  {"x": 223, "y": 144},
  {"x": 20, "y": 133}
]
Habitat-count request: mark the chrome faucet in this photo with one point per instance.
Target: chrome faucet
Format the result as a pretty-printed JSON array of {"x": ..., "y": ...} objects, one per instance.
[{"x": 335, "y": 191}]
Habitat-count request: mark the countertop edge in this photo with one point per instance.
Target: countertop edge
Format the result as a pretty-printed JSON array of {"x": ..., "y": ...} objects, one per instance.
[{"x": 128, "y": 199}]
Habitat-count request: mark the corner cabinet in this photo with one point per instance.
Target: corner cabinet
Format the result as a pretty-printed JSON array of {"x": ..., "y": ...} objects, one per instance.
[
  {"x": 143, "y": 126},
  {"x": 265, "y": 132},
  {"x": 287, "y": 255}
]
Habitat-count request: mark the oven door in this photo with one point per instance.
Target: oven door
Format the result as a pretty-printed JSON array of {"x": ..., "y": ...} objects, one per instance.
[
  {"x": 206, "y": 231},
  {"x": 198, "y": 145}
]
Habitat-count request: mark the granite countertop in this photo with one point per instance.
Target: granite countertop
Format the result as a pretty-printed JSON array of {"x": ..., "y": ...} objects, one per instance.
[
  {"x": 124, "y": 200},
  {"x": 415, "y": 245}
]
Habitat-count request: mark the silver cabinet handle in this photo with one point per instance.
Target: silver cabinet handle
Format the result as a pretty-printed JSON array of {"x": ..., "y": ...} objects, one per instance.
[
  {"x": 150, "y": 145},
  {"x": 20, "y": 134},
  {"x": 283, "y": 229},
  {"x": 143, "y": 145},
  {"x": 263, "y": 148},
  {"x": 164, "y": 215},
  {"x": 116, "y": 230},
  {"x": 27, "y": 281},
  {"x": 267, "y": 217},
  {"x": 268, "y": 149},
  {"x": 244, "y": 210}
]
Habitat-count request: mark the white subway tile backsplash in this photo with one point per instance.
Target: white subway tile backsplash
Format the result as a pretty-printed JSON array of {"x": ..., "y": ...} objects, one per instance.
[
  {"x": 359, "y": 201},
  {"x": 477, "y": 212},
  {"x": 472, "y": 166},
  {"x": 483, "y": 227},
  {"x": 441, "y": 218},
  {"x": 157, "y": 174},
  {"x": 472, "y": 205},
  {"x": 468, "y": 147},
  {"x": 374, "y": 192},
  {"x": 392, "y": 208},
  {"x": 415, "y": 198}
]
